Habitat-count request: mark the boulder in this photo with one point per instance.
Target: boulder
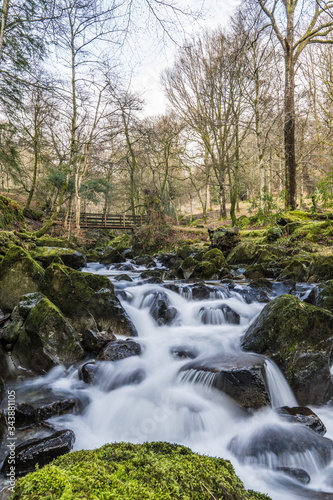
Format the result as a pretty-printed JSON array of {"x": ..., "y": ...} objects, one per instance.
[
  {"x": 27, "y": 414},
  {"x": 88, "y": 372},
  {"x": 219, "y": 315},
  {"x": 302, "y": 415},
  {"x": 112, "y": 256},
  {"x": 46, "y": 339},
  {"x": 20, "y": 312},
  {"x": 241, "y": 377},
  {"x": 160, "y": 309},
  {"x": 322, "y": 295},
  {"x": 19, "y": 274},
  {"x": 273, "y": 444},
  {"x": 119, "y": 349},
  {"x": 39, "y": 451},
  {"x": 321, "y": 268},
  {"x": 224, "y": 239},
  {"x": 71, "y": 258},
  {"x": 295, "y": 270},
  {"x": 11, "y": 214},
  {"x": 215, "y": 256},
  {"x": 95, "y": 341},
  {"x": 87, "y": 300},
  {"x": 298, "y": 337},
  {"x": 205, "y": 270},
  {"x": 188, "y": 266}
]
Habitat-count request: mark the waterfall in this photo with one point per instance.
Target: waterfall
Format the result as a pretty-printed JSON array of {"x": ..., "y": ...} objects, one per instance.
[{"x": 279, "y": 389}]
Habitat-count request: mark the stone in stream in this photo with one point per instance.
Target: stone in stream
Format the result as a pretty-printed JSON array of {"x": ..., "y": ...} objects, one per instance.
[
  {"x": 112, "y": 256},
  {"x": 95, "y": 341},
  {"x": 241, "y": 377},
  {"x": 88, "y": 372},
  {"x": 299, "y": 474},
  {"x": 46, "y": 339},
  {"x": 160, "y": 307},
  {"x": 119, "y": 349},
  {"x": 302, "y": 415},
  {"x": 39, "y": 451},
  {"x": 27, "y": 414},
  {"x": 271, "y": 445},
  {"x": 298, "y": 337},
  {"x": 219, "y": 315}
]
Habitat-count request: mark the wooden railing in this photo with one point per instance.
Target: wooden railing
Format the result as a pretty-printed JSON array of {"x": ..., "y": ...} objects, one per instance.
[{"x": 107, "y": 221}]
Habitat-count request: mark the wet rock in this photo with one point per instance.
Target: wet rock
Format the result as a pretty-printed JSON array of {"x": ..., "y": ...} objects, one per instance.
[
  {"x": 161, "y": 310},
  {"x": 256, "y": 291},
  {"x": 128, "y": 253},
  {"x": 145, "y": 260},
  {"x": 296, "y": 270},
  {"x": 71, "y": 258},
  {"x": 321, "y": 268},
  {"x": 205, "y": 270},
  {"x": 12, "y": 330},
  {"x": 153, "y": 275},
  {"x": 181, "y": 352},
  {"x": 322, "y": 295},
  {"x": 4, "y": 318},
  {"x": 119, "y": 349},
  {"x": 19, "y": 274},
  {"x": 273, "y": 444},
  {"x": 219, "y": 315},
  {"x": 4, "y": 370},
  {"x": 39, "y": 451},
  {"x": 112, "y": 256},
  {"x": 95, "y": 341},
  {"x": 188, "y": 266},
  {"x": 87, "y": 300},
  {"x": 46, "y": 339},
  {"x": 241, "y": 377},
  {"x": 299, "y": 474},
  {"x": 88, "y": 372},
  {"x": 302, "y": 415},
  {"x": 123, "y": 277},
  {"x": 27, "y": 414},
  {"x": 298, "y": 337},
  {"x": 199, "y": 291}
]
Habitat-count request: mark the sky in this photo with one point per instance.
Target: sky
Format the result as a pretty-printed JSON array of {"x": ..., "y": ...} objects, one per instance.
[{"x": 147, "y": 71}]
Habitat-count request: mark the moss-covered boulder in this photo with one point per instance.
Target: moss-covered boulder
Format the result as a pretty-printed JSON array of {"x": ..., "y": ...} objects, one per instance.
[
  {"x": 11, "y": 214},
  {"x": 244, "y": 253},
  {"x": 322, "y": 295},
  {"x": 87, "y": 300},
  {"x": 295, "y": 270},
  {"x": 46, "y": 339},
  {"x": 112, "y": 256},
  {"x": 321, "y": 268},
  {"x": 49, "y": 241},
  {"x": 155, "y": 471},
  {"x": 7, "y": 240},
  {"x": 205, "y": 270},
  {"x": 188, "y": 266},
  {"x": 69, "y": 256},
  {"x": 19, "y": 274},
  {"x": 215, "y": 256},
  {"x": 299, "y": 338}
]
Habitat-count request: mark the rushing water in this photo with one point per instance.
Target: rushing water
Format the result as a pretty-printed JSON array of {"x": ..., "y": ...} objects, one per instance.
[{"x": 148, "y": 397}]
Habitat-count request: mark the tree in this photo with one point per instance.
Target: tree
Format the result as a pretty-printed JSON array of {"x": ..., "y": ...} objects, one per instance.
[{"x": 294, "y": 36}]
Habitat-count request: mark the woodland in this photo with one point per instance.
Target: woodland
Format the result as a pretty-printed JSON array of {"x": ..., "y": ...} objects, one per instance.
[{"x": 249, "y": 116}]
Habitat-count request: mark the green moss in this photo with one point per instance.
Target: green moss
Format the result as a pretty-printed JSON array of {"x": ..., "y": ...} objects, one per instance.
[
  {"x": 215, "y": 256},
  {"x": 154, "y": 471},
  {"x": 205, "y": 270},
  {"x": 11, "y": 214},
  {"x": 189, "y": 263},
  {"x": 121, "y": 243},
  {"x": 47, "y": 241}
]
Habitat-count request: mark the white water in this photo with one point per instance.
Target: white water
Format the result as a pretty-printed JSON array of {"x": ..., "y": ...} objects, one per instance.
[{"x": 165, "y": 405}]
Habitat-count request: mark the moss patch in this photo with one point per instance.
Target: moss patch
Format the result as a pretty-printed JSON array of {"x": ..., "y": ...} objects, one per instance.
[
  {"x": 125, "y": 471},
  {"x": 11, "y": 214}
]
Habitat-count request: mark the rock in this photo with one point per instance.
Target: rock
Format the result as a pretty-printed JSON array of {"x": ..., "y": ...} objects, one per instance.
[
  {"x": 188, "y": 267},
  {"x": 71, "y": 258},
  {"x": 321, "y": 268},
  {"x": 295, "y": 270},
  {"x": 123, "y": 277},
  {"x": 11, "y": 214},
  {"x": 145, "y": 260},
  {"x": 241, "y": 377},
  {"x": 322, "y": 295},
  {"x": 205, "y": 270},
  {"x": 119, "y": 349},
  {"x": 88, "y": 372},
  {"x": 127, "y": 471},
  {"x": 19, "y": 274},
  {"x": 219, "y": 315},
  {"x": 273, "y": 444},
  {"x": 299, "y": 474},
  {"x": 46, "y": 339},
  {"x": 181, "y": 352},
  {"x": 95, "y": 341},
  {"x": 298, "y": 337},
  {"x": 216, "y": 257},
  {"x": 161, "y": 311},
  {"x": 303, "y": 415},
  {"x": 87, "y": 300},
  {"x": 4, "y": 370},
  {"x": 224, "y": 239},
  {"x": 112, "y": 256},
  {"x": 20, "y": 312},
  {"x": 39, "y": 451},
  {"x": 27, "y": 414}
]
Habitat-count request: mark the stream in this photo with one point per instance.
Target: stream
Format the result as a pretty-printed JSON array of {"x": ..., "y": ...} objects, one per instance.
[{"x": 154, "y": 397}]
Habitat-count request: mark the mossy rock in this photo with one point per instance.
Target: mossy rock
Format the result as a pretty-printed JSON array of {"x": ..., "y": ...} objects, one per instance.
[
  {"x": 121, "y": 243},
  {"x": 313, "y": 231},
  {"x": 298, "y": 337},
  {"x": 321, "y": 268},
  {"x": 11, "y": 214},
  {"x": 322, "y": 295},
  {"x": 19, "y": 274},
  {"x": 46, "y": 339},
  {"x": 205, "y": 270},
  {"x": 215, "y": 256},
  {"x": 48, "y": 241},
  {"x": 188, "y": 266},
  {"x": 112, "y": 256},
  {"x": 87, "y": 300},
  {"x": 295, "y": 270},
  {"x": 244, "y": 253},
  {"x": 124, "y": 471},
  {"x": 69, "y": 256},
  {"x": 7, "y": 240}
]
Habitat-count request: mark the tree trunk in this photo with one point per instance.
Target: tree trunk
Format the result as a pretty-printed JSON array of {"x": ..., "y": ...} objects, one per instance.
[{"x": 289, "y": 130}]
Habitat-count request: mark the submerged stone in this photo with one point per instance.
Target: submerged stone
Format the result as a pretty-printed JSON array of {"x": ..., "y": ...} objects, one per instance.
[
  {"x": 119, "y": 349},
  {"x": 303, "y": 415}
]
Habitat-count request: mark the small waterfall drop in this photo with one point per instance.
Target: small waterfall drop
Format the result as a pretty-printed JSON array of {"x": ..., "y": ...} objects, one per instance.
[{"x": 279, "y": 389}]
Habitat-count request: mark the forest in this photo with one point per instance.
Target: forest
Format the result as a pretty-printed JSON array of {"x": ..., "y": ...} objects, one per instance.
[{"x": 249, "y": 114}]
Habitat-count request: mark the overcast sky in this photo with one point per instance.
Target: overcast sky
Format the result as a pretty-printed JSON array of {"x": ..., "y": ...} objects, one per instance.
[{"x": 146, "y": 77}]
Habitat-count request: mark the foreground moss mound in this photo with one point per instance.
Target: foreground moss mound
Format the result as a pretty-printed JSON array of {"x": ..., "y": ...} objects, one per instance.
[
  {"x": 125, "y": 471},
  {"x": 11, "y": 214}
]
